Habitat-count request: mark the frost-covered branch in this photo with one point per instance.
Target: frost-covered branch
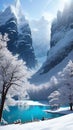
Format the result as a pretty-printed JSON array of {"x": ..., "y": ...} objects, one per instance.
[{"x": 13, "y": 73}]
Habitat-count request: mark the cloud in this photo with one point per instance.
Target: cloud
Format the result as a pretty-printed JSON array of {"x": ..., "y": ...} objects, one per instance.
[
  {"x": 41, "y": 36},
  {"x": 48, "y": 16}
]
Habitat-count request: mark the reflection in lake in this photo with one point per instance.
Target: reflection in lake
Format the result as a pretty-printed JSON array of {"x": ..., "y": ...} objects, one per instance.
[{"x": 27, "y": 113}]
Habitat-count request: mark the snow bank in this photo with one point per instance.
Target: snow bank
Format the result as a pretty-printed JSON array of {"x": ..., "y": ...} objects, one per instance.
[
  {"x": 61, "y": 123},
  {"x": 30, "y": 102},
  {"x": 62, "y": 110}
]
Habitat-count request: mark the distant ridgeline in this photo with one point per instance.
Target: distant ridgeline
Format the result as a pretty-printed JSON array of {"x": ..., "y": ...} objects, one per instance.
[
  {"x": 19, "y": 33},
  {"x": 61, "y": 43}
]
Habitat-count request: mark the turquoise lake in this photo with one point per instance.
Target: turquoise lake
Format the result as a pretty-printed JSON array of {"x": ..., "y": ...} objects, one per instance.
[{"x": 28, "y": 114}]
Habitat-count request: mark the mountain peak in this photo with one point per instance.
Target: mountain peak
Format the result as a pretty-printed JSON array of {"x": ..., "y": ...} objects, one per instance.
[
  {"x": 8, "y": 9},
  {"x": 13, "y": 22},
  {"x": 5, "y": 15},
  {"x": 17, "y": 4},
  {"x": 17, "y": 9}
]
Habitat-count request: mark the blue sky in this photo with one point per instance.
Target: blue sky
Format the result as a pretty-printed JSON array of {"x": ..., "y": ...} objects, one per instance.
[{"x": 36, "y": 8}]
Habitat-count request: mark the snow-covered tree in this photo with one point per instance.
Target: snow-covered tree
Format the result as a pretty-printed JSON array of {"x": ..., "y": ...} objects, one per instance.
[
  {"x": 13, "y": 73},
  {"x": 64, "y": 94},
  {"x": 54, "y": 100}
]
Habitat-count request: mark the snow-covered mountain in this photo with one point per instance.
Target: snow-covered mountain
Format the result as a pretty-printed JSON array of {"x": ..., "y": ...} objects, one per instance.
[
  {"x": 45, "y": 84},
  {"x": 61, "y": 46},
  {"x": 13, "y": 22}
]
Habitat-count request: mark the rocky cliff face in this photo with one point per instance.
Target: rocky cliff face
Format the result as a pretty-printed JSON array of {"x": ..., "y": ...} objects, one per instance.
[
  {"x": 19, "y": 34},
  {"x": 61, "y": 43},
  {"x": 61, "y": 47}
]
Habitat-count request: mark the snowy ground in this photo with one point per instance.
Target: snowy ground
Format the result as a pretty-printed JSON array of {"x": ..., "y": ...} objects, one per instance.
[
  {"x": 62, "y": 110},
  {"x": 30, "y": 102},
  {"x": 61, "y": 123}
]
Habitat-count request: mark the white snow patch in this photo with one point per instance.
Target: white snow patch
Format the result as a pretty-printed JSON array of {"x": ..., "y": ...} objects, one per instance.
[
  {"x": 62, "y": 110},
  {"x": 30, "y": 102}
]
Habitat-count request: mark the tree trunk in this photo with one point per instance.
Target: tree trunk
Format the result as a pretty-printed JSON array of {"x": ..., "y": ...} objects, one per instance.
[
  {"x": 70, "y": 106},
  {"x": 2, "y": 106}
]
